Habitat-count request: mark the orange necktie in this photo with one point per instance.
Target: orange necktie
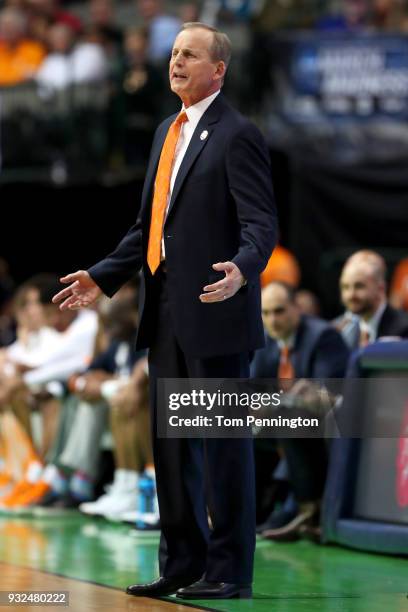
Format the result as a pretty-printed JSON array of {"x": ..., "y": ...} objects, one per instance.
[
  {"x": 161, "y": 191},
  {"x": 286, "y": 369}
]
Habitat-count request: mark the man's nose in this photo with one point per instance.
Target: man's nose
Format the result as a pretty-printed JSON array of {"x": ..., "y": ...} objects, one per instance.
[{"x": 178, "y": 59}]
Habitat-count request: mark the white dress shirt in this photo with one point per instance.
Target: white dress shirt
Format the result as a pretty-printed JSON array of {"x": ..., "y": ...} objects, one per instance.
[
  {"x": 288, "y": 342},
  {"x": 34, "y": 352},
  {"x": 73, "y": 352},
  {"x": 194, "y": 114}
]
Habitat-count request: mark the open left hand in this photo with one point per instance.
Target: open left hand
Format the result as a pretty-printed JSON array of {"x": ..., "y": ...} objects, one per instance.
[
  {"x": 82, "y": 292},
  {"x": 226, "y": 287}
]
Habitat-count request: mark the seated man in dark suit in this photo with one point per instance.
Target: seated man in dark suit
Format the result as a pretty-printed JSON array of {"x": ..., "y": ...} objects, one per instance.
[
  {"x": 298, "y": 346},
  {"x": 368, "y": 316}
]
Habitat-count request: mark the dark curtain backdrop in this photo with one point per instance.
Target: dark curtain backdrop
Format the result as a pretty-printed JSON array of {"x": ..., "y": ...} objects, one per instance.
[
  {"x": 336, "y": 210},
  {"x": 48, "y": 229}
]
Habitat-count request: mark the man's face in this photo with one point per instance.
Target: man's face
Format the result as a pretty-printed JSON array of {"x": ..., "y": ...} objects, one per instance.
[
  {"x": 149, "y": 8},
  {"x": 135, "y": 47},
  {"x": 11, "y": 29},
  {"x": 31, "y": 313},
  {"x": 60, "y": 38},
  {"x": 361, "y": 292},
  {"x": 193, "y": 73},
  {"x": 101, "y": 11},
  {"x": 280, "y": 317}
]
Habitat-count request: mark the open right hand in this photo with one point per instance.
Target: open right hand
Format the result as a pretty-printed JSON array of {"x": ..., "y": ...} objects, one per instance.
[{"x": 82, "y": 292}]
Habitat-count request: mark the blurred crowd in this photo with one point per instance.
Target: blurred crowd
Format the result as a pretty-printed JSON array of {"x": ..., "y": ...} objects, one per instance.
[
  {"x": 55, "y": 47},
  {"x": 56, "y": 44},
  {"x": 53, "y": 51},
  {"x": 79, "y": 374},
  {"x": 74, "y": 393}
]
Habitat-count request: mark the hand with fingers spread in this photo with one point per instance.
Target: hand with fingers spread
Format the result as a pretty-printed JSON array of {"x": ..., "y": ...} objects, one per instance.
[
  {"x": 82, "y": 292},
  {"x": 226, "y": 287}
]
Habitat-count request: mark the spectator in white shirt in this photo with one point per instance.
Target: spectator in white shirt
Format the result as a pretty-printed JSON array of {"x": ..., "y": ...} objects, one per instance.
[{"x": 70, "y": 62}]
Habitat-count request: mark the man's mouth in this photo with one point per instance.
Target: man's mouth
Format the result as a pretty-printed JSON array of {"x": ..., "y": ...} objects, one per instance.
[{"x": 179, "y": 75}]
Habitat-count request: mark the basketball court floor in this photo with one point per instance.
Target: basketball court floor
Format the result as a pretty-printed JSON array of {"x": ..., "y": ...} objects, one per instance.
[{"x": 94, "y": 560}]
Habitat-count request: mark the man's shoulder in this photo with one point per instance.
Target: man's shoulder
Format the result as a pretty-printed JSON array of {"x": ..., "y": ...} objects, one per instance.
[
  {"x": 394, "y": 322},
  {"x": 339, "y": 320},
  {"x": 221, "y": 111},
  {"x": 269, "y": 349},
  {"x": 265, "y": 358},
  {"x": 240, "y": 137},
  {"x": 315, "y": 329},
  {"x": 232, "y": 125},
  {"x": 316, "y": 324},
  {"x": 238, "y": 121},
  {"x": 220, "y": 108}
]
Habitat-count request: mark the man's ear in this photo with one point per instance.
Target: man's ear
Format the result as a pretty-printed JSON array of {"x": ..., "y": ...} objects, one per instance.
[{"x": 221, "y": 70}]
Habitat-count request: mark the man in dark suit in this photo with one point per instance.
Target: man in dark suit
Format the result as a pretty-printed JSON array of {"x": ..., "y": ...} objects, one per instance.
[
  {"x": 205, "y": 232},
  {"x": 298, "y": 346},
  {"x": 368, "y": 316}
]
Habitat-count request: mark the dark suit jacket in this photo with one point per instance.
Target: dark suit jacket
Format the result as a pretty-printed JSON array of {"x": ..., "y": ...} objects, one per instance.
[
  {"x": 392, "y": 323},
  {"x": 319, "y": 352},
  {"x": 222, "y": 208}
]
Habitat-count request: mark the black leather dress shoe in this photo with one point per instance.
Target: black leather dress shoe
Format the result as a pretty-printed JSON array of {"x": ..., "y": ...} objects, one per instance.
[
  {"x": 158, "y": 588},
  {"x": 215, "y": 590}
]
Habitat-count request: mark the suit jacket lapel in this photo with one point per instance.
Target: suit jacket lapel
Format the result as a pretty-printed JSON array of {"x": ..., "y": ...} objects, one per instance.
[
  {"x": 206, "y": 123},
  {"x": 194, "y": 149}
]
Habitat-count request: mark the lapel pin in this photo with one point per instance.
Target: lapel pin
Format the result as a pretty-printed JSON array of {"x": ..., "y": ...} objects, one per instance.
[{"x": 203, "y": 135}]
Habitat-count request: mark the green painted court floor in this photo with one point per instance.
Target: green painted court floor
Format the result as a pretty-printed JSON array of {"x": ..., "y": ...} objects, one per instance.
[{"x": 293, "y": 577}]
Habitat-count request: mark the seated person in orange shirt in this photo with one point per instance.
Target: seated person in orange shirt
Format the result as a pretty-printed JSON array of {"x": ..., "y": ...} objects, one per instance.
[
  {"x": 282, "y": 266},
  {"x": 20, "y": 57},
  {"x": 399, "y": 286}
]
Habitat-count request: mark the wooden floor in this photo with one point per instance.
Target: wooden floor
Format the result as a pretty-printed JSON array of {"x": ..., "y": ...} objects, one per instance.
[
  {"x": 95, "y": 560},
  {"x": 83, "y": 596}
]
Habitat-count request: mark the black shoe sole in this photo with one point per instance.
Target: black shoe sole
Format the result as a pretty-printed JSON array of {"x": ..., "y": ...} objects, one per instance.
[
  {"x": 154, "y": 593},
  {"x": 241, "y": 594},
  {"x": 159, "y": 592}
]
